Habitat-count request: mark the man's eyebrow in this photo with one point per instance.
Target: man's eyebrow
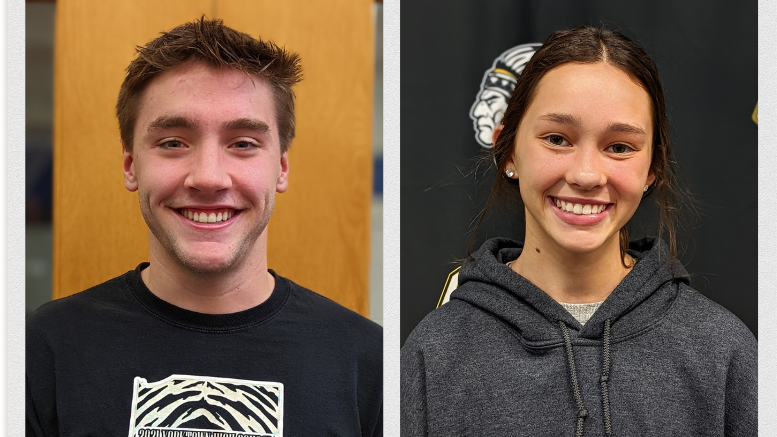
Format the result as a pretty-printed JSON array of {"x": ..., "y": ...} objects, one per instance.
[
  {"x": 170, "y": 122},
  {"x": 625, "y": 127},
  {"x": 561, "y": 119},
  {"x": 246, "y": 124}
]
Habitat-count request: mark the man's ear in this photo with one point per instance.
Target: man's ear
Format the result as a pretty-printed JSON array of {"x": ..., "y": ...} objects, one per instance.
[
  {"x": 283, "y": 178},
  {"x": 497, "y": 131},
  {"x": 128, "y": 166}
]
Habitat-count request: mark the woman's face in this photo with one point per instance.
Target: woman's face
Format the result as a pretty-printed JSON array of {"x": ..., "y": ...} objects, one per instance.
[{"x": 582, "y": 155}]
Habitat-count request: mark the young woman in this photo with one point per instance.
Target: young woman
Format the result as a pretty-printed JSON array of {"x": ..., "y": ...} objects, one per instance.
[{"x": 576, "y": 330}]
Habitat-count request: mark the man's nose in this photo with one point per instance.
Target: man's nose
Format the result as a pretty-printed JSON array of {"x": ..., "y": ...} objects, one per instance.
[
  {"x": 587, "y": 170},
  {"x": 208, "y": 171}
]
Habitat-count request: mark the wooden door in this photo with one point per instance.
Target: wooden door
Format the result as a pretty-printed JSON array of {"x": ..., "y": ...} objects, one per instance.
[{"x": 319, "y": 233}]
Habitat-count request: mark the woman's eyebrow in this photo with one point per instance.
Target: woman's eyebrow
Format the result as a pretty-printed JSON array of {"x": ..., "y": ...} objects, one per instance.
[
  {"x": 561, "y": 119},
  {"x": 570, "y": 119},
  {"x": 625, "y": 127}
]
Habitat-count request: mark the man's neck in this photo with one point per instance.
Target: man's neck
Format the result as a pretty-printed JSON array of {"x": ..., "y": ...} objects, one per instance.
[
  {"x": 572, "y": 277},
  {"x": 245, "y": 285}
]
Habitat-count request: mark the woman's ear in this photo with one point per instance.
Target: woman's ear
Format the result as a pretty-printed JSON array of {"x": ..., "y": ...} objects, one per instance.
[
  {"x": 509, "y": 168},
  {"x": 660, "y": 155},
  {"x": 497, "y": 131},
  {"x": 651, "y": 178}
]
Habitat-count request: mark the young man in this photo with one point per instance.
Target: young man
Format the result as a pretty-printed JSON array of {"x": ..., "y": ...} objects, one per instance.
[{"x": 204, "y": 340}]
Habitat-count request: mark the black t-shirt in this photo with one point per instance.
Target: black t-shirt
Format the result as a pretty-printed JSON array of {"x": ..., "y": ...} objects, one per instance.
[{"x": 116, "y": 360}]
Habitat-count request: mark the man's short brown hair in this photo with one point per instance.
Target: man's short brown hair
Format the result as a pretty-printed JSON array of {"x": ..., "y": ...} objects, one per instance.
[{"x": 215, "y": 44}]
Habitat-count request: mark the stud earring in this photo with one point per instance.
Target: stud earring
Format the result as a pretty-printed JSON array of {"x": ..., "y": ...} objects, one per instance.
[
  {"x": 509, "y": 173},
  {"x": 646, "y": 188}
]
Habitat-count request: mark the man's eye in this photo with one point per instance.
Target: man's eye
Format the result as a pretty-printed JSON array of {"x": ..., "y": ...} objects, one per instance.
[
  {"x": 244, "y": 145},
  {"x": 172, "y": 144},
  {"x": 557, "y": 140},
  {"x": 620, "y": 148}
]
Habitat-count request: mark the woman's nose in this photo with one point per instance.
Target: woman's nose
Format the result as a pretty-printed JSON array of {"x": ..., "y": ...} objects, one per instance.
[{"x": 586, "y": 170}]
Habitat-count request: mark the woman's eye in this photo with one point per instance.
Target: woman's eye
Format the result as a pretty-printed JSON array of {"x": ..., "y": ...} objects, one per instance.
[
  {"x": 620, "y": 148},
  {"x": 557, "y": 140}
]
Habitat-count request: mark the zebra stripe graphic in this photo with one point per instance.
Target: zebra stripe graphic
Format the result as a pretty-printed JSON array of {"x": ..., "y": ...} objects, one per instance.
[{"x": 222, "y": 406}]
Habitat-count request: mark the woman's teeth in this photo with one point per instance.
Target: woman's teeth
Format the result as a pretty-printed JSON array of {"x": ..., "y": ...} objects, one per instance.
[
  {"x": 211, "y": 217},
  {"x": 577, "y": 208}
]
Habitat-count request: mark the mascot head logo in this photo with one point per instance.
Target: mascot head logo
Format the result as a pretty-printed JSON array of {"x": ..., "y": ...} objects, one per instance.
[{"x": 498, "y": 84}]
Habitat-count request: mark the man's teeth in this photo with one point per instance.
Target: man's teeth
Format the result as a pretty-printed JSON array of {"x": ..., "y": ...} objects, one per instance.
[
  {"x": 203, "y": 217},
  {"x": 579, "y": 209}
]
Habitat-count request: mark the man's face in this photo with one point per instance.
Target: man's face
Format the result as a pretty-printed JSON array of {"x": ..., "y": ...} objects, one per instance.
[{"x": 206, "y": 163}]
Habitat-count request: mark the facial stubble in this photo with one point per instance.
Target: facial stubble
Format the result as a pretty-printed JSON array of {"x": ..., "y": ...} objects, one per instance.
[{"x": 238, "y": 254}]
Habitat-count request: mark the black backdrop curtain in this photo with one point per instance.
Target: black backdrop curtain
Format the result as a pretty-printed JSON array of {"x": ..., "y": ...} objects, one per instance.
[{"x": 706, "y": 54}]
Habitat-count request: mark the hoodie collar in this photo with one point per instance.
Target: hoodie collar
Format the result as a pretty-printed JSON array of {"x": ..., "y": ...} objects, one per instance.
[{"x": 487, "y": 283}]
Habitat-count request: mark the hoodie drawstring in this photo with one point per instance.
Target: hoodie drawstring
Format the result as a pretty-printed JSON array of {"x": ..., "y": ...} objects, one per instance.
[
  {"x": 581, "y": 411},
  {"x": 605, "y": 377}
]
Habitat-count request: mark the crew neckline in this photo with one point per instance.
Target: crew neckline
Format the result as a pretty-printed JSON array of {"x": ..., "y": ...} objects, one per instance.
[{"x": 207, "y": 322}]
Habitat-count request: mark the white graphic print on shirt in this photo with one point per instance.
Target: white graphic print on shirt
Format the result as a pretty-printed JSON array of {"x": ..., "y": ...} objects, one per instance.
[{"x": 202, "y": 406}]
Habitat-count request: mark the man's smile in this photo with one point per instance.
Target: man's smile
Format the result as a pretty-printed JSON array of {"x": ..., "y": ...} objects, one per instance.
[{"x": 207, "y": 216}]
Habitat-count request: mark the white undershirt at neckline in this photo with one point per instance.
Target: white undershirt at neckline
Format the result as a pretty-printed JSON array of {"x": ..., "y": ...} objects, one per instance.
[{"x": 581, "y": 311}]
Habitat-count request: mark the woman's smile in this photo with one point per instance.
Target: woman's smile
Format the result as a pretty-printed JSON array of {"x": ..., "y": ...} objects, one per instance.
[{"x": 579, "y": 212}]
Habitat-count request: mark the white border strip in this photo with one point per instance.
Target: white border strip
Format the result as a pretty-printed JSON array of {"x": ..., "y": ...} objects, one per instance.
[
  {"x": 12, "y": 186},
  {"x": 767, "y": 208},
  {"x": 391, "y": 217}
]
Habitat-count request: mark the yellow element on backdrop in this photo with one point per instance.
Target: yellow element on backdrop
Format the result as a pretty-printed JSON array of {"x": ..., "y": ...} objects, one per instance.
[
  {"x": 503, "y": 71},
  {"x": 451, "y": 284},
  {"x": 755, "y": 113}
]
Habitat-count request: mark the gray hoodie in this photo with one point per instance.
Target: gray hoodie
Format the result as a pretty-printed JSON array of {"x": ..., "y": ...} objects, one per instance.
[{"x": 503, "y": 358}]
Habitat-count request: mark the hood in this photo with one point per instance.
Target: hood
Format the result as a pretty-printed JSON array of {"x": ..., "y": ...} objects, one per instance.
[{"x": 640, "y": 300}]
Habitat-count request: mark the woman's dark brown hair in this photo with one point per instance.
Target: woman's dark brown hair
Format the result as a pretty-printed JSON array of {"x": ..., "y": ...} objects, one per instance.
[{"x": 590, "y": 45}]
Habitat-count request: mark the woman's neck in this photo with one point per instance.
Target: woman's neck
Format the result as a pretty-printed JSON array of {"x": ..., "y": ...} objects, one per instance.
[{"x": 573, "y": 277}]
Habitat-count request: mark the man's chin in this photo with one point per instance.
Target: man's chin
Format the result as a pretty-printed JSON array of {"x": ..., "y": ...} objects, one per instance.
[
  {"x": 205, "y": 265},
  {"x": 204, "y": 257}
]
